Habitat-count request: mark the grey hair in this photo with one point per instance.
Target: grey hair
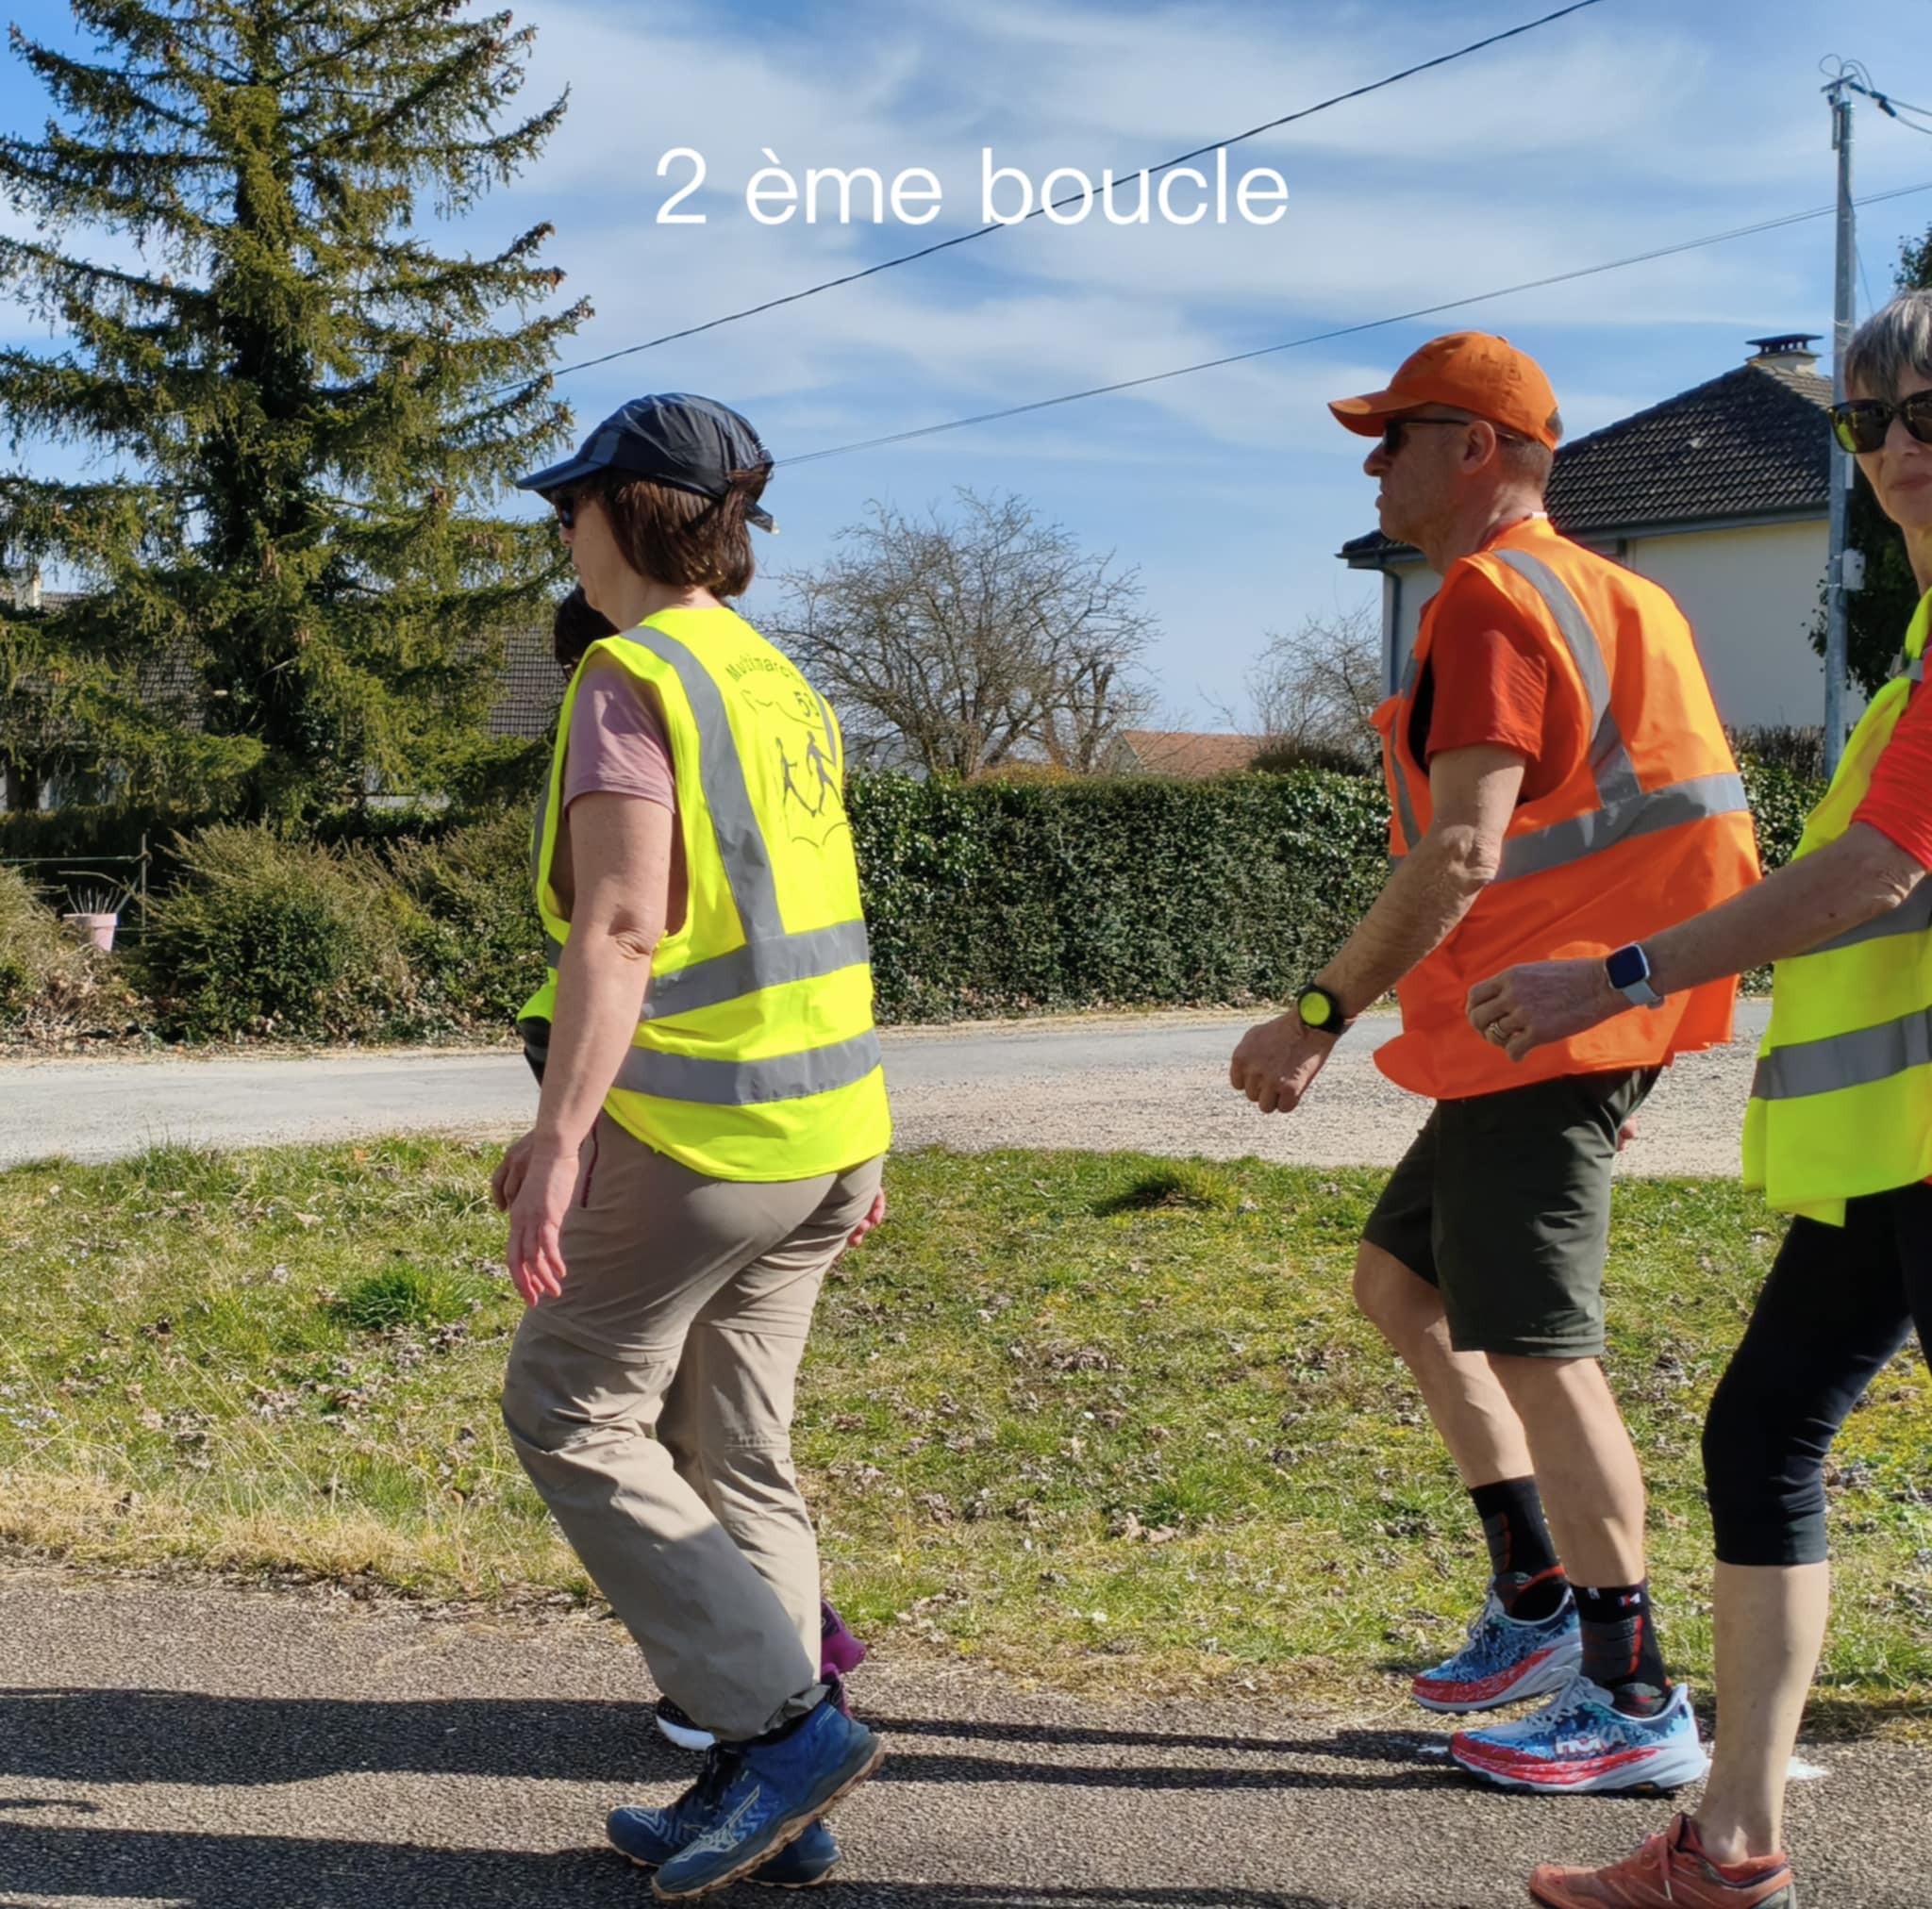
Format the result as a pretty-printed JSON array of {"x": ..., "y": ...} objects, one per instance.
[
  {"x": 1894, "y": 344},
  {"x": 1525, "y": 459}
]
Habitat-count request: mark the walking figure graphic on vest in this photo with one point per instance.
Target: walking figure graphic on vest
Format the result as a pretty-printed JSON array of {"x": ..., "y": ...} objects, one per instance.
[{"x": 793, "y": 791}]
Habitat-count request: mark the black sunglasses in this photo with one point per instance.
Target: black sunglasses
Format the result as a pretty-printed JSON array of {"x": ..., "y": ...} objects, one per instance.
[
  {"x": 1393, "y": 430},
  {"x": 1862, "y": 424},
  {"x": 565, "y": 503}
]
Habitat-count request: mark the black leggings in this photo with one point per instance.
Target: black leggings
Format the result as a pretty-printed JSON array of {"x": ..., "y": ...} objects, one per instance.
[{"x": 1839, "y": 1305}]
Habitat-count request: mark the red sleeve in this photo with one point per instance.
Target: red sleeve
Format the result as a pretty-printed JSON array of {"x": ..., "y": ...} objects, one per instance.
[
  {"x": 1492, "y": 681},
  {"x": 1899, "y": 802}
]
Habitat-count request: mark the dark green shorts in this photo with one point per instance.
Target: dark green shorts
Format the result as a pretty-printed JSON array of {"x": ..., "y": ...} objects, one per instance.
[{"x": 1502, "y": 1205}]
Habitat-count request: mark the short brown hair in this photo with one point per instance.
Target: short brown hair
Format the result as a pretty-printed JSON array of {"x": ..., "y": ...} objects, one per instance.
[
  {"x": 679, "y": 538},
  {"x": 576, "y": 626}
]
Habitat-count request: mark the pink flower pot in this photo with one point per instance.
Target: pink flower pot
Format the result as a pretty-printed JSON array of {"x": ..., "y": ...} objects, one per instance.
[{"x": 96, "y": 929}]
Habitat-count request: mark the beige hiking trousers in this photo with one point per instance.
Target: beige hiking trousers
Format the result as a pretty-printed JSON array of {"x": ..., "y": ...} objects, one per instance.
[{"x": 685, "y": 1308}]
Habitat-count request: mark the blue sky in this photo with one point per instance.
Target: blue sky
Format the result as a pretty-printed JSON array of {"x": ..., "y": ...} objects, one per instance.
[{"x": 1635, "y": 123}]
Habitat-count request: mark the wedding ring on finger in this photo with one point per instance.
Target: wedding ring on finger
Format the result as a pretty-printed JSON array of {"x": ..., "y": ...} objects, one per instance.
[{"x": 1495, "y": 1032}]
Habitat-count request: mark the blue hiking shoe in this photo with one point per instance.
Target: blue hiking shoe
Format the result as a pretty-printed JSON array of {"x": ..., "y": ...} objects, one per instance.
[
  {"x": 1580, "y": 1741},
  {"x": 651, "y": 1838},
  {"x": 1506, "y": 1660},
  {"x": 778, "y": 1790}
]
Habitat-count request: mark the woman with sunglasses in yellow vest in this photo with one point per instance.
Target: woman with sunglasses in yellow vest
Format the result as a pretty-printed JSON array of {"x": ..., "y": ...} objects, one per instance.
[
  {"x": 1839, "y": 1134},
  {"x": 710, "y": 1136}
]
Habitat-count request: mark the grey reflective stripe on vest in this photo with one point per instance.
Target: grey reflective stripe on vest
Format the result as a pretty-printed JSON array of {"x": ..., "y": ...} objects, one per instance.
[
  {"x": 1913, "y": 916},
  {"x": 1562, "y": 842},
  {"x": 1913, "y": 667},
  {"x": 809, "y": 956},
  {"x": 1859, "y": 1059},
  {"x": 536, "y": 833},
  {"x": 1609, "y": 761},
  {"x": 749, "y": 1082},
  {"x": 720, "y": 774}
]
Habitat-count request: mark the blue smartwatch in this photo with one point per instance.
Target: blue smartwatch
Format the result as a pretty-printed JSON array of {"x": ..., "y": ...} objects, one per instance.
[{"x": 1628, "y": 970}]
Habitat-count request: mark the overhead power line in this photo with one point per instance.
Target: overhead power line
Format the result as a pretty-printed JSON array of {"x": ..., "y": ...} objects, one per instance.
[
  {"x": 1345, "y": 330},
  {"x": 1074, "y": 198}
]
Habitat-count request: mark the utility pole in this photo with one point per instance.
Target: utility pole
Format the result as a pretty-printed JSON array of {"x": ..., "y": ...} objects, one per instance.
[{"x": 1838, "y": 92}]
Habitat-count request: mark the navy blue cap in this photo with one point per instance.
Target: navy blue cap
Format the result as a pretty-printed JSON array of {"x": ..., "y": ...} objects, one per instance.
[{"x": 672, "y": 438}]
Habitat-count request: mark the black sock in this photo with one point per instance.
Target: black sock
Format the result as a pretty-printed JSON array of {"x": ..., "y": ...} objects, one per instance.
[
  {"x": 1528, "y": 1580},
  {"x": 1620, "y": 1646}
]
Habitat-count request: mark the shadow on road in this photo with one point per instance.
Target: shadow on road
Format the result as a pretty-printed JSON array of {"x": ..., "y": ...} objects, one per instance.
[
  {"x": 195, "y": 1871},
  {"x": 1360, "y": 1746},
  {"x": 98, "y": 1737}
]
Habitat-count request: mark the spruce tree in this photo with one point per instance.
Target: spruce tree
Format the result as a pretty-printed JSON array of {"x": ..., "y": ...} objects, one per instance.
[{"x": 303, "y": 409}]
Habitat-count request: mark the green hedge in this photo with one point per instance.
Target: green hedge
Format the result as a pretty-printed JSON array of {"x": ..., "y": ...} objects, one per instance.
[
  {"x": 992, "y": 899},
  {"x": 1006, "y": 898}
]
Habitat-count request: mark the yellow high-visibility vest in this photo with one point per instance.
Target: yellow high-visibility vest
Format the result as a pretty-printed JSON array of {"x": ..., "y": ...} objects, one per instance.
[
  {"x": 1841, "y": 1103},
  {"x": 756, "y": 1058}
]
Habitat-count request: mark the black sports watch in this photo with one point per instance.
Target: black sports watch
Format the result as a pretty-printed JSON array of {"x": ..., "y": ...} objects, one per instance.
[{"x": 1322, "y": 1010}]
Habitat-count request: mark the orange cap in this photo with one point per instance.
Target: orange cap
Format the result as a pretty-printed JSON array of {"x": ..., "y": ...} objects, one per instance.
[{"x": 1471, "y": 371}]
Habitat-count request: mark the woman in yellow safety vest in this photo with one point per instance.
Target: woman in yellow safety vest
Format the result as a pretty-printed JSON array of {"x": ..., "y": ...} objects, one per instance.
[
  {"x": 1839, "y": 1134},
  {"x": 710, "y": 1136}
]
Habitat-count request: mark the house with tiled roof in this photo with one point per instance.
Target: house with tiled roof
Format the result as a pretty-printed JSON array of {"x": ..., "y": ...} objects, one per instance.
[
  {"x": 1194, "y": 754},
  {"x": 1720, "y": 495}
]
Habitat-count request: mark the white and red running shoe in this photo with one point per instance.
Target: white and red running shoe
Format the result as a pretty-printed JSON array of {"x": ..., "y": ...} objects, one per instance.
[
  {"x": 1580, "y": 1741},
  {"x": 1506, "y": 1660}
]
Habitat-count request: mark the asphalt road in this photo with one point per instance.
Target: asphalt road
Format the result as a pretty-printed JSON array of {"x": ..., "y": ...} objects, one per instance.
[
  {"x": 1157, "y": 1083},
  {"x": 204, "y": 1749}
]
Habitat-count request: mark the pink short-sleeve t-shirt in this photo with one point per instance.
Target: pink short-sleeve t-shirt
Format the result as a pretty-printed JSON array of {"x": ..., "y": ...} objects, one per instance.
[{"x": 618, "y": 746}]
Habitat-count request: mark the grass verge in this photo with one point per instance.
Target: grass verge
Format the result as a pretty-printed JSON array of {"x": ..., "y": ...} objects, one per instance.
[{"x": 1091, "y": 1419}]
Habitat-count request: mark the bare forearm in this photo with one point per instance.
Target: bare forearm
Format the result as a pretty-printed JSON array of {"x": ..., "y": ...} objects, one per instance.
[
  {"x": 1855, "y": 880},
  {"x": 599, "y": 991},
  {"x": 1423, "y": 899}
]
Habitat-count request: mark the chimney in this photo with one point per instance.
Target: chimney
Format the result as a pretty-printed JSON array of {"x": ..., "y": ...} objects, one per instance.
[{"x": 1788, "y": 351}]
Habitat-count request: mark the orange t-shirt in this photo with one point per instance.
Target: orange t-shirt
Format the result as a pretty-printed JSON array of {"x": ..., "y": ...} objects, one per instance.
[
  {"x": 1487, "y": 681},
  {"x": 1896, "y": 803}
]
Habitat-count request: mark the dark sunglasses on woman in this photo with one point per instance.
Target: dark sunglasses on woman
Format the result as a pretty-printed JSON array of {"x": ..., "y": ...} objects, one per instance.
[
  {"x": 565, "y": 503},
  {"x": 1861, "y": 425}
]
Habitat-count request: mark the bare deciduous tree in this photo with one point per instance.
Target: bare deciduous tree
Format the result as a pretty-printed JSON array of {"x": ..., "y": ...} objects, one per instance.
[
  {"x": 1312, "y": 690},
  {"x": 959, "y": 642}
]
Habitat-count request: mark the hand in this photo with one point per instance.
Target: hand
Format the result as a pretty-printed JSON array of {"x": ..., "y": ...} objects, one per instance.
[
  {"x": 1528, "y": 1007},
  {"x": 534, "y": 1185},
  {"x": 1277, "y": 1062},
  {"x": 875, "y": 1215},
  {"x": 1626, "y": 1132},
  {"x": 510, "y": 1173}
]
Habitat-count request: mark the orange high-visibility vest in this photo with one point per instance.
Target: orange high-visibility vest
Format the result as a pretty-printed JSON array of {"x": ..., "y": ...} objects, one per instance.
[{"x": 1649, "y": 825}]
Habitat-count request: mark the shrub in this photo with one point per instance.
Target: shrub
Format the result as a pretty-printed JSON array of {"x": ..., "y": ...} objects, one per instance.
[
  {"x": 473, "y": 941},
  {"x": 1798, "y": 749},
  {"x": 1780, "y": 800},
  {"x": 265, "y": 935},
  {"x": 40, "y": 963}
]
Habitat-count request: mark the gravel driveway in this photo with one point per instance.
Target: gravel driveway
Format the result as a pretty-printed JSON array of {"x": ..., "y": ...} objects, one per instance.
[{"x": 1158, "y": 1081}]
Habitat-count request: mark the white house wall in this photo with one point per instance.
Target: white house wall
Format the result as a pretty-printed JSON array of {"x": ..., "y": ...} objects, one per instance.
[{"x": 1750, "y": 594}]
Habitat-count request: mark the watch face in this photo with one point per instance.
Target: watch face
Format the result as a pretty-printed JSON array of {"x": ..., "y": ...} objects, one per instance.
[
  {"x": 1315, "y": 1009},
  {"x": 1626, "y": 967}
]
